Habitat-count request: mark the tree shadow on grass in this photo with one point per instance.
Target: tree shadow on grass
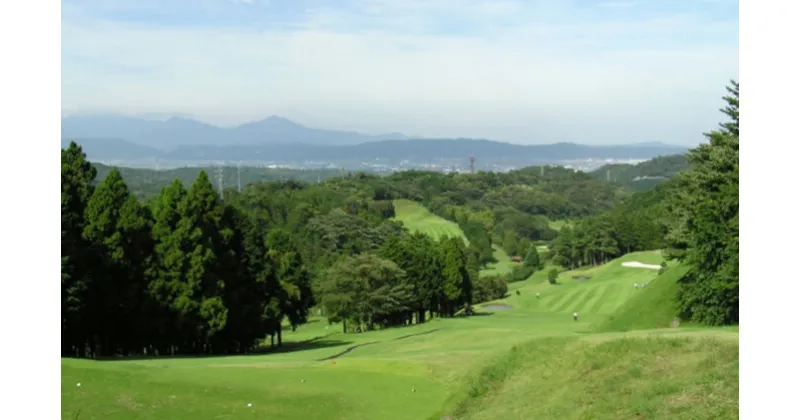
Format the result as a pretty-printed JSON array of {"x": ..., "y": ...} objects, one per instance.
[
  {"x": 347, "y": 350},
  {"x": 414, "y": 335},
  {"x": 287, "y": 347},
  {"x": 476, "y": 313}
]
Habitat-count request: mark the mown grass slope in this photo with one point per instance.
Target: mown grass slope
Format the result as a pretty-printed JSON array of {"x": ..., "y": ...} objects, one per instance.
[
  {"x": 419, "y": 219},
  {"x": 653, "y": 309},
  {"x": 503, "y": 266},
  {"x": 618, "y": 378},
  {"x": 424, "y": 370}
]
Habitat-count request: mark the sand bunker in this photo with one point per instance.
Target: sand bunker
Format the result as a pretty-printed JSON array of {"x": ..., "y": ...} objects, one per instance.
[
  {"x": 497, "y": 307},
  {"x": 637, "y": 264}
]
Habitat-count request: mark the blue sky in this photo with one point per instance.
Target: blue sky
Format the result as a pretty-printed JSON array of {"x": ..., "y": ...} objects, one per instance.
[{"x": 525, "y": 71}]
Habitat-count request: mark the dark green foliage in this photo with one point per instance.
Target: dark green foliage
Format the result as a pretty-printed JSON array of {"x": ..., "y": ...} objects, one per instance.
[
  {"x": 532, "y": 259},
  {"x": 645, "y": 175},
  {"x": 186, "y": 274},
  {"x": 704, "y": 234},
  {"x": 367, "y": 291},
  {"x": 520, "y": 273},
  {"x": 489, "y": 288},
  {"x": 636, "y": 224},
  {"x": 456, "y": 289},
  {"x": 552, "y": 276},
  {"x": 147, "y": 183},
  {"x": 77, "y": 177}
]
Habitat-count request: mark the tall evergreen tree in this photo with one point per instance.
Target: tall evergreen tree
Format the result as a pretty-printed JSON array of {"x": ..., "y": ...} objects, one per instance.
[
  {"x": 77, "y": 176},
  {"x": 705, "y": 234},
  {"x": 170, "y": 267},
  {"x": 457, "y": 288},
  {"x": 115, "y": 228},
  {"x": 532, "y": 259},
  {"x": 200, "y": 301}
]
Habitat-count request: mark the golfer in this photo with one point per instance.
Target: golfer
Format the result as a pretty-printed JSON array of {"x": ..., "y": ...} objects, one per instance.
[{"x": 575, "y": 316}]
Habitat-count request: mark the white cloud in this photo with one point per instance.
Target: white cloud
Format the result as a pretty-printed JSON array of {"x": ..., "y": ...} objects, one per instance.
[{"x": 522, "y": 71}]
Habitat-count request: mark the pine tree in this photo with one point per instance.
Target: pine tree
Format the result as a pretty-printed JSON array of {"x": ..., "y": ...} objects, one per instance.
[
  {"x": 77, "y": 175},
  {"x": 114, "y": 224},
  {"x": 705, "y": 232},
  {"x": 200, "y": 301},
  {"x": 532, "y": 259}
]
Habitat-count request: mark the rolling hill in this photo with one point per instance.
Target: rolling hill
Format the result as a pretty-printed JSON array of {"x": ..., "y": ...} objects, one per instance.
[{"x": 644, "y": 175}]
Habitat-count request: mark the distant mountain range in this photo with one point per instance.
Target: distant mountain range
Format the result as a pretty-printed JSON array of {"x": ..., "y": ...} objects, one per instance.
[
  {"x": 276, "y": 139},
  {"x": 178, "y": 131}
]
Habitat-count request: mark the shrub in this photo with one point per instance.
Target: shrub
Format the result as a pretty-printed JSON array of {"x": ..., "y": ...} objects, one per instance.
[
  {"x": 520, "y": 273},
  {"x": 489, "y": 288},
  {"x": 552, "y": 276}
]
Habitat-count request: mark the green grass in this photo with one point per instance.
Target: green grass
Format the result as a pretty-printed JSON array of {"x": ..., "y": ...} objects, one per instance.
[
  {"x": 503, "y": 266},
  {"x": 558, "y": 224},
  {"x": 630, "y": 378},
  {"x": 654, "y": 308},
  {"x": 417, "y": 218},
  {"x": 562, "y": 368}
]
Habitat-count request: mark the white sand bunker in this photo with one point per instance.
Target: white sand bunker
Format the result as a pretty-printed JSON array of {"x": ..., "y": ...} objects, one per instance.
[{"x": 637, "y": 264}]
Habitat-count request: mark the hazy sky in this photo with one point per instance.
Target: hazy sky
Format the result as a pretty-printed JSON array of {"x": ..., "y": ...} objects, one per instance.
[{"x": 526, "y": 71}]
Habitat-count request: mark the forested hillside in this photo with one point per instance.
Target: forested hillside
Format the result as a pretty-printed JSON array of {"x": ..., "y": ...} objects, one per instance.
[
  {"x": 147, "y": 183},
  {"x": 645, "y": 175}
]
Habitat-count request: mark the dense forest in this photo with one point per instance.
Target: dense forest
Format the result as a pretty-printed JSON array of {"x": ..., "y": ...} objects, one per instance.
[
  {"x": 645, "y": 175},
  {"x": 193, "y": 271},
  {"x": 147, "y": 183}
]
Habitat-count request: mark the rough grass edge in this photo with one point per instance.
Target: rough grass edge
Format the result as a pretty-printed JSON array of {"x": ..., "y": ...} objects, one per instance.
[{"x": 490, "y": 377}]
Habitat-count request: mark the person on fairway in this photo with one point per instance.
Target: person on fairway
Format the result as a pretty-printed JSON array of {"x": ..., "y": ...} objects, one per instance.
[
  {"x": 575, "y": 316},
  {"x": 537, "y": 295},
  {"x": 635, "y": 285}
]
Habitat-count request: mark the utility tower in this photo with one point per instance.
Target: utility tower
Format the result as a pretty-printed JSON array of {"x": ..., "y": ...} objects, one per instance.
[
  {"x": 239, "y": 177},
  {"x": 541, "y": 170},
  {"x": 221, "y": 180},
  {"x": 472, "y": 164}
]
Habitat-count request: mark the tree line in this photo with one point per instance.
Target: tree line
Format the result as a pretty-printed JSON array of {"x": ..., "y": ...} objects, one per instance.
[{"x": 190, "y": 273}]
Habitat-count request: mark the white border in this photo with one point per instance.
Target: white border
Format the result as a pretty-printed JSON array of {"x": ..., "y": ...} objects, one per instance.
[
  {"x": 29, "y": 126},
  {"x": 30, "y": 103},
  {"x": 769, "y": 224}
]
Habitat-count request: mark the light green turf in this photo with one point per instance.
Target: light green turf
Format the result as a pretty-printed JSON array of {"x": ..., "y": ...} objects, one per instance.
[
  {"x": 503, "y": 266},
  {"x": 417, "y": 218},
  {"x": 415, "y": 372},
  {"x": 654, "y": 309},
  {"x": 645, "y": 378},
  {"x": 558, "y": 224}
]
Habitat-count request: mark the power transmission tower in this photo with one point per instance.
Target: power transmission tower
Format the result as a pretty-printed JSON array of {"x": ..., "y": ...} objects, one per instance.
[
  {"x": 239, "y": 177},
  {"x": 472, "y": 164},
  {"x": 220, "y": 181},
  {"x": 541, "y": 170}
]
